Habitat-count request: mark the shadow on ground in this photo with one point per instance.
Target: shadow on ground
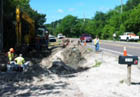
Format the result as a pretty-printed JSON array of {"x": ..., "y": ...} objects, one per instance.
[{"x": 30, "y": 90}]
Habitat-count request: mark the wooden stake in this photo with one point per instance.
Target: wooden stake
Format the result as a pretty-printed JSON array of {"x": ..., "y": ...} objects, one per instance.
[{"x": 129, "y": 74}]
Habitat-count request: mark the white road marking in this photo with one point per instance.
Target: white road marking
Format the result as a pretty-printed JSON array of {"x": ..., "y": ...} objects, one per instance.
[
  {"x": 121, "y": 53},
  {"x": 115, "y": 51}
]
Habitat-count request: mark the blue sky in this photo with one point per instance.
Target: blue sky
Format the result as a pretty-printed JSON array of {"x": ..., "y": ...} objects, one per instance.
[{"x": 58, "y": 9}]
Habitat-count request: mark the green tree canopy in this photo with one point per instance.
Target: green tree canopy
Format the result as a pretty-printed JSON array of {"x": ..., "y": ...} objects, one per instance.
[{"x": 103, "y": 24}]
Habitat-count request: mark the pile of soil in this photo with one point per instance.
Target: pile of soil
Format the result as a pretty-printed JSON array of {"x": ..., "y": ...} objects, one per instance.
[
  {"x": 66, "y": 60},
  {"x": 73, "y": 57}
]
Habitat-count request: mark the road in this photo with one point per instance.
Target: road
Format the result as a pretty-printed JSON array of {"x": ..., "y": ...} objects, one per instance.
[{"x": 117, "y": 47}]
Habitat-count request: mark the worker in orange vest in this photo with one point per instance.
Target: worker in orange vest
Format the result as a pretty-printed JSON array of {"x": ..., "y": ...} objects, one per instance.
[{"x": 11, "y": 54}]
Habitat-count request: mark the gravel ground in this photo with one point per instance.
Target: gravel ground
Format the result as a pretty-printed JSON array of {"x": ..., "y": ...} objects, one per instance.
[
  {"x": 104, "y": 78},
  {"x": 108, "y": 80}
]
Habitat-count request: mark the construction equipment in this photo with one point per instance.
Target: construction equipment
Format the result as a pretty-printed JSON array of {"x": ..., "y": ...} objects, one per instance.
[
  {"x": 25, "y": 36},
  {"x": 129, "y": 36}
]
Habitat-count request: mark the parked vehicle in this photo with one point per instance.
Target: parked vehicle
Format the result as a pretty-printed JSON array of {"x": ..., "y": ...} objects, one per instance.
[
  {"x": 60, "y": 36},
  {"x": 52, "y": 38},
  {"x": 129, "y": 36},
  {"x": 86, "y": 37},
  {"x": 41, "y": 35}
]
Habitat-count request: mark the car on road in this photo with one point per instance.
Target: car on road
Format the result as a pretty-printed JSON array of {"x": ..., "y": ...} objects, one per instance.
[
  {"x": 60, "y": 36},
  {"x": 52, "y": 38},
  {"x": 129, "y": 36},
  {"x": 86, "y": 37}
]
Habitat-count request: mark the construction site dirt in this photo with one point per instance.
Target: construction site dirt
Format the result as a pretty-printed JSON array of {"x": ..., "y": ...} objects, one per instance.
[{"x": 73, "y": 71}]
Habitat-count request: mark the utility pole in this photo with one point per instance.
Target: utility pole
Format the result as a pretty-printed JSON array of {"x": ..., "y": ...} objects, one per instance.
[
  {"x": 83, "y": 26},
  {"x": 121, "y": 6},
  {"x": 1, "y": 25},
  {"x": 84, "y": 17}
]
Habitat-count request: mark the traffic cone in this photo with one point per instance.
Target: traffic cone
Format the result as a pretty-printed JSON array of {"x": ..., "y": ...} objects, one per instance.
[
  {"x": 125, "y": 51},
  {"x": 85, "y": 43}
]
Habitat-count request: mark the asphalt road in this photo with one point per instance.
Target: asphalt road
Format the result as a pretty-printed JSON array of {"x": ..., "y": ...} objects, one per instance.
[{"x": 117, "y": 47}]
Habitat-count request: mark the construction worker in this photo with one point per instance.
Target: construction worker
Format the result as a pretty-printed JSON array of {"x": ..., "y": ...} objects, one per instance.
[
  {"x": 20, "y": 60},
  {"x": 96, "y": 43},
  {"x": 19, "y": 63},
  {"x": 11, "y": 54}
]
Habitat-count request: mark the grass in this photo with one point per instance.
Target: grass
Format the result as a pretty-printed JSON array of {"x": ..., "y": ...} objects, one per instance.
[{"x": 97, "y": 63}]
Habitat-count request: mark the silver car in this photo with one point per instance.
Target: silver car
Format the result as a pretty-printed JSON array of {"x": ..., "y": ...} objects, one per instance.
[{"x": 52, "y": 38}]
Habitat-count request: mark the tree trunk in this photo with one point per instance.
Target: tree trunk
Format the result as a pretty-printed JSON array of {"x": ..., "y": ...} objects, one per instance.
[{"x": 1, "y": 25}]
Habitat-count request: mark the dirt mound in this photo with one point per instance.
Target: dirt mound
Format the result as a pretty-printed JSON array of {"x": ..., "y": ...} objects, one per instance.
[
  {"x": 73, "y": 57},
  {"x": 66, "y": 60},
  {"x": 60, "y": 68}
]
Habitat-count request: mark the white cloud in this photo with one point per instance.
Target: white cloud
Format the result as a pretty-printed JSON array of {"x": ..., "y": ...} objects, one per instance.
[
  {"x": 60, "y": 11},
  {"x": 71, "y": 9}
]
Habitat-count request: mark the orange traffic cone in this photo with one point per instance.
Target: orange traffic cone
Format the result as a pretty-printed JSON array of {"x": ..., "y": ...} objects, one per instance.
[
  {"x": 85, "y": 43},
  {"x": 125, "y": 52}
]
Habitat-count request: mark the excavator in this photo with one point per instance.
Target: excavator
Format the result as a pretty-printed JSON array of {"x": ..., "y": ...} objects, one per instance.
[
  {"x": 25, "y": 37},
  {"x": 28, "y": 37}
]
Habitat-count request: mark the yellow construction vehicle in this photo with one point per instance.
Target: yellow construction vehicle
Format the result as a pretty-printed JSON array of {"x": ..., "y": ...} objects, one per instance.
[{"x": 23, "y": 36}]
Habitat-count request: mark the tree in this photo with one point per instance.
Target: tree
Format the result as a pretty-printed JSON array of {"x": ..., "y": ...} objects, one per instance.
[
  {"x": 131, "y": 4},
  {"x": 103, "y": 24},
  {"x": 10, "y": 19},
  {"x": 133, "y": 22},
  {"x": 68, "y": 25}
]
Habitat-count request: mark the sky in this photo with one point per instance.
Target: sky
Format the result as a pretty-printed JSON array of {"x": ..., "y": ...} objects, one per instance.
[{"x": 58, "y": 9}]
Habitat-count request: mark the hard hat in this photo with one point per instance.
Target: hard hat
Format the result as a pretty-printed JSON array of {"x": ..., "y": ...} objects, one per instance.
[{"x": 12, "y": 50}]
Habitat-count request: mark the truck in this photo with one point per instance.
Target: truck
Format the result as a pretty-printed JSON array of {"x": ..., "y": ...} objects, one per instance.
[
  {"x": 129, "y": 36},
  {"x": 60, "y": 36},
  {"x": 42, "y": 34}
]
